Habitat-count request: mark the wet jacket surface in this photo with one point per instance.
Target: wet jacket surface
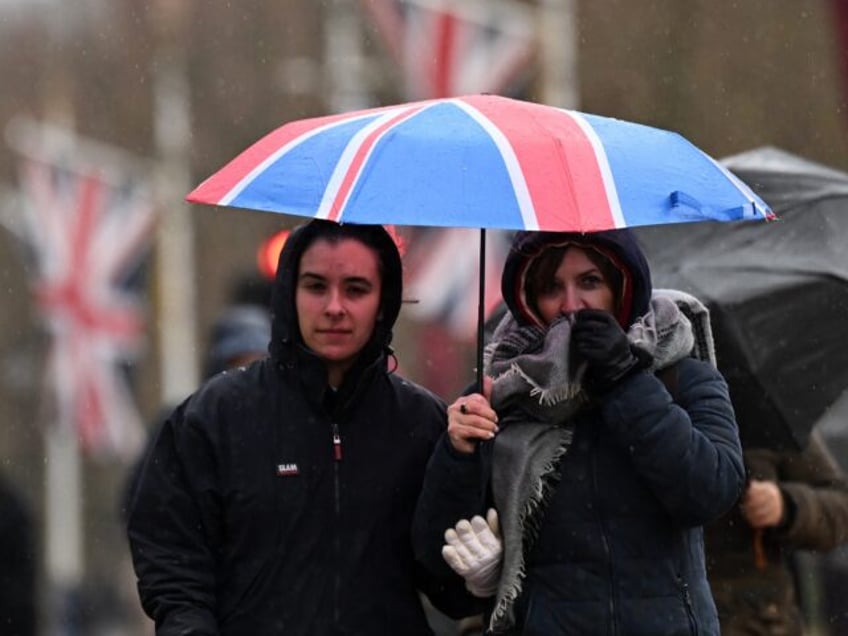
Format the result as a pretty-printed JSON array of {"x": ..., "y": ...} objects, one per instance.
[
  {"x": 761, "y": 599},
  {"x": 620, "y": 550},
  {"x": 620, "y": 547},
  {"x": 249, "y": 519}
]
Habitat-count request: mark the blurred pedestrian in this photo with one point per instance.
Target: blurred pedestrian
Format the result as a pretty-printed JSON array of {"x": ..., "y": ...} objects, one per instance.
[
  {"x": 239, "y": 335},
  {"x": 17, "y": 564},
  {"x": 793, "y": 501},
  {"x": 574, "y": 489},
  {"x": 278, "y": 500}
]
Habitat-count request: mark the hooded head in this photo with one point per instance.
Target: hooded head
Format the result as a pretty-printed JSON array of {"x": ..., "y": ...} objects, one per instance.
[
  {"x": 239, "y": 334},
  {"x": 285, "y": 329},
  {"x": 614, "y": 250}
]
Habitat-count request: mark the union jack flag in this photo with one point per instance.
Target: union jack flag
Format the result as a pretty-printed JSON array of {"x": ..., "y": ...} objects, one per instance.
[
  {"x": 456, "y": 48},
  {"x": 86, "y": 236},
  {"x": 444, "y": 277}
]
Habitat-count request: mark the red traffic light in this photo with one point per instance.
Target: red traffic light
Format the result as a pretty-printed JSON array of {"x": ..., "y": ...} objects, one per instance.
[{"x": 268, "y": 253}]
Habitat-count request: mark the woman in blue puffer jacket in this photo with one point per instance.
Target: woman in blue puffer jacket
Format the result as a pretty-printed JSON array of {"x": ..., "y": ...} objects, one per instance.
[{"x": 604, "y": 440}]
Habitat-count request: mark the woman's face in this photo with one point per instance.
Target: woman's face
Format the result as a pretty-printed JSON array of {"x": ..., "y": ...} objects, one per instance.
[
  {"x": 337, "y": 299},
  {"x": 576, "y": 284}
]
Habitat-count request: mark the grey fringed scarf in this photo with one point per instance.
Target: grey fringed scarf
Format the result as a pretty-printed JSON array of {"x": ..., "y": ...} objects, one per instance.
[{"x": 536, "y": 391}]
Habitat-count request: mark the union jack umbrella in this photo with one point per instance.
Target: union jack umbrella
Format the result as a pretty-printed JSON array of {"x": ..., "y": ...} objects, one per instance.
[{"x": 481, "y": 161}]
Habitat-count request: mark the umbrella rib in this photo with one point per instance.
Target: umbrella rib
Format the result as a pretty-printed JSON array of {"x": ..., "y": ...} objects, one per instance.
[
  {"x": 603, "y": 166},
  {"x": 757, "y": 210},
  {"x": 513, "y": 167},
  {"x": 272, "y": 158},
  {"x": 354, "y": 158}
]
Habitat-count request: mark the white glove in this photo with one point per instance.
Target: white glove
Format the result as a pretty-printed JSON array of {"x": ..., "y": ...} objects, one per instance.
[{"x": 475, "y": 552}]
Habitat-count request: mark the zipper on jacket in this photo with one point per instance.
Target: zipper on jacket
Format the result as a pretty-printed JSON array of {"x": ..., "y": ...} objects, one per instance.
[
  {"x": 337, "y": 507},
  {"x": 687, "y": 601},
  {"x": 687, "y": 598},
  {"x": 605, "y": 543},
  {"x": 337, "y": 444}
]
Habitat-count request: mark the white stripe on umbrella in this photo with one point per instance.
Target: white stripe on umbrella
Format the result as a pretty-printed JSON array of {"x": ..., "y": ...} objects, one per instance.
[
  {"x": 516, "y": 176},
  {"x": 603, "y": 166},
  {"x": 354, "y": 158},
  {"x": 257, "y": 171}
]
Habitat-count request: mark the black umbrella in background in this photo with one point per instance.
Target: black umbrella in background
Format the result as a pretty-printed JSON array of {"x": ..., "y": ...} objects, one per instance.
[{"x": 777, "y": 292}]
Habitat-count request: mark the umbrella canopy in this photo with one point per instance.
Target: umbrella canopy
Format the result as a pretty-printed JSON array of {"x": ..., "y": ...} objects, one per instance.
[
  {"x": 481, "y": 161},
  {"x": 778, "y": 294}
]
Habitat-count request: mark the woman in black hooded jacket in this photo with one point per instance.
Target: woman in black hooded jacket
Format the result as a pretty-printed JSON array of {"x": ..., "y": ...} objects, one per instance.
[
  {"x": 603, "y": 443},
  {"x": 278, "y": 498}
]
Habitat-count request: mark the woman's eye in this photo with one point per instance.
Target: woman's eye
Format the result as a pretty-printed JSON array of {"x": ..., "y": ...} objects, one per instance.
[
  {"x": 357, "y": 291},
  {"x": 592, "y": 281}
]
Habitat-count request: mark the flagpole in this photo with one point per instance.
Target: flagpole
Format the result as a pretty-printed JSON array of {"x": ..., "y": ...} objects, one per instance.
[
  {"x": 63, "y": 536},
  {"x": 345, "y": 59},
  {"x": 558, "y": 54},
  {"x": 63, "y": 527},
  {"x": 175, "y": 260}
]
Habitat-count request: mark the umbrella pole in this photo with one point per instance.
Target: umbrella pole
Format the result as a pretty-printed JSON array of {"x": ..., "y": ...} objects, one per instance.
[{"x": 481, "y": 309}]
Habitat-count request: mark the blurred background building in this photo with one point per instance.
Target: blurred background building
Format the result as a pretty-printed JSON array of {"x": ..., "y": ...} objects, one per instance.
[{"x": 130, "y": 104}]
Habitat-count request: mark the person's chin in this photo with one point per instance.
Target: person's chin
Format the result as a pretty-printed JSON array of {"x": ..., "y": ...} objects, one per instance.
[{"x": 333, "y": 353}]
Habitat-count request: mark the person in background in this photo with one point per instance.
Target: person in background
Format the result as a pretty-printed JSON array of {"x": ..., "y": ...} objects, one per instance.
[
  {"x": 239, "y": 335},
  {"x": 278, "y": 499},
  {"x": 17, "y": 564},
  {"x": 794, "y": 500},
  {"x": 571, "y": 493}
]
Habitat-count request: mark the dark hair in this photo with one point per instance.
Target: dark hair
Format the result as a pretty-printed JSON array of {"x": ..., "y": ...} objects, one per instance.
[
  {"x": 542, "y": 269},
  {"x": 369, "y": 235}
]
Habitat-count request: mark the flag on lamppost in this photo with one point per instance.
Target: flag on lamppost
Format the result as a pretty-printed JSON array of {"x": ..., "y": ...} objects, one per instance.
[
  {"x": 86, "y": 235},
  {"x": 456, "y": 48},
  {"x": 444, "y": 278}
]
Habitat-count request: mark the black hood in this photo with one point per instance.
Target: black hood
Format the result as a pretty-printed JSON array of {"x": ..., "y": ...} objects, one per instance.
[
  {"x": 618, "y": 245},
  {"x": 285, "y": 334}
]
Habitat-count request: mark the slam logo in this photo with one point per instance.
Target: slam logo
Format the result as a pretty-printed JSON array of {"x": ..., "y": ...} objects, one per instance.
[{"x": 287, "y": 470}]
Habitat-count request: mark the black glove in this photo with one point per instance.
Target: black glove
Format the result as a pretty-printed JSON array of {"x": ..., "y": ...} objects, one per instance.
[{"x": 598, "y": 339}]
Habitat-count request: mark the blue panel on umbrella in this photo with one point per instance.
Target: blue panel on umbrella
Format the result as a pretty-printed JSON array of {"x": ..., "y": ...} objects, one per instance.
[
  {"x": 460, "y": 175},
  {"x": 300, "y": 176},
  {"x": 679, "y": 179}
]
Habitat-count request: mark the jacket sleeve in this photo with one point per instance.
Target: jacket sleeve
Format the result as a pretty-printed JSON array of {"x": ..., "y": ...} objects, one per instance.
[
  {"x": 815, "y": 494},
  {"x": 687, "y": 449},
  {"x": 454, "y": 488},
  {"x": 169, "y": 538}
]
